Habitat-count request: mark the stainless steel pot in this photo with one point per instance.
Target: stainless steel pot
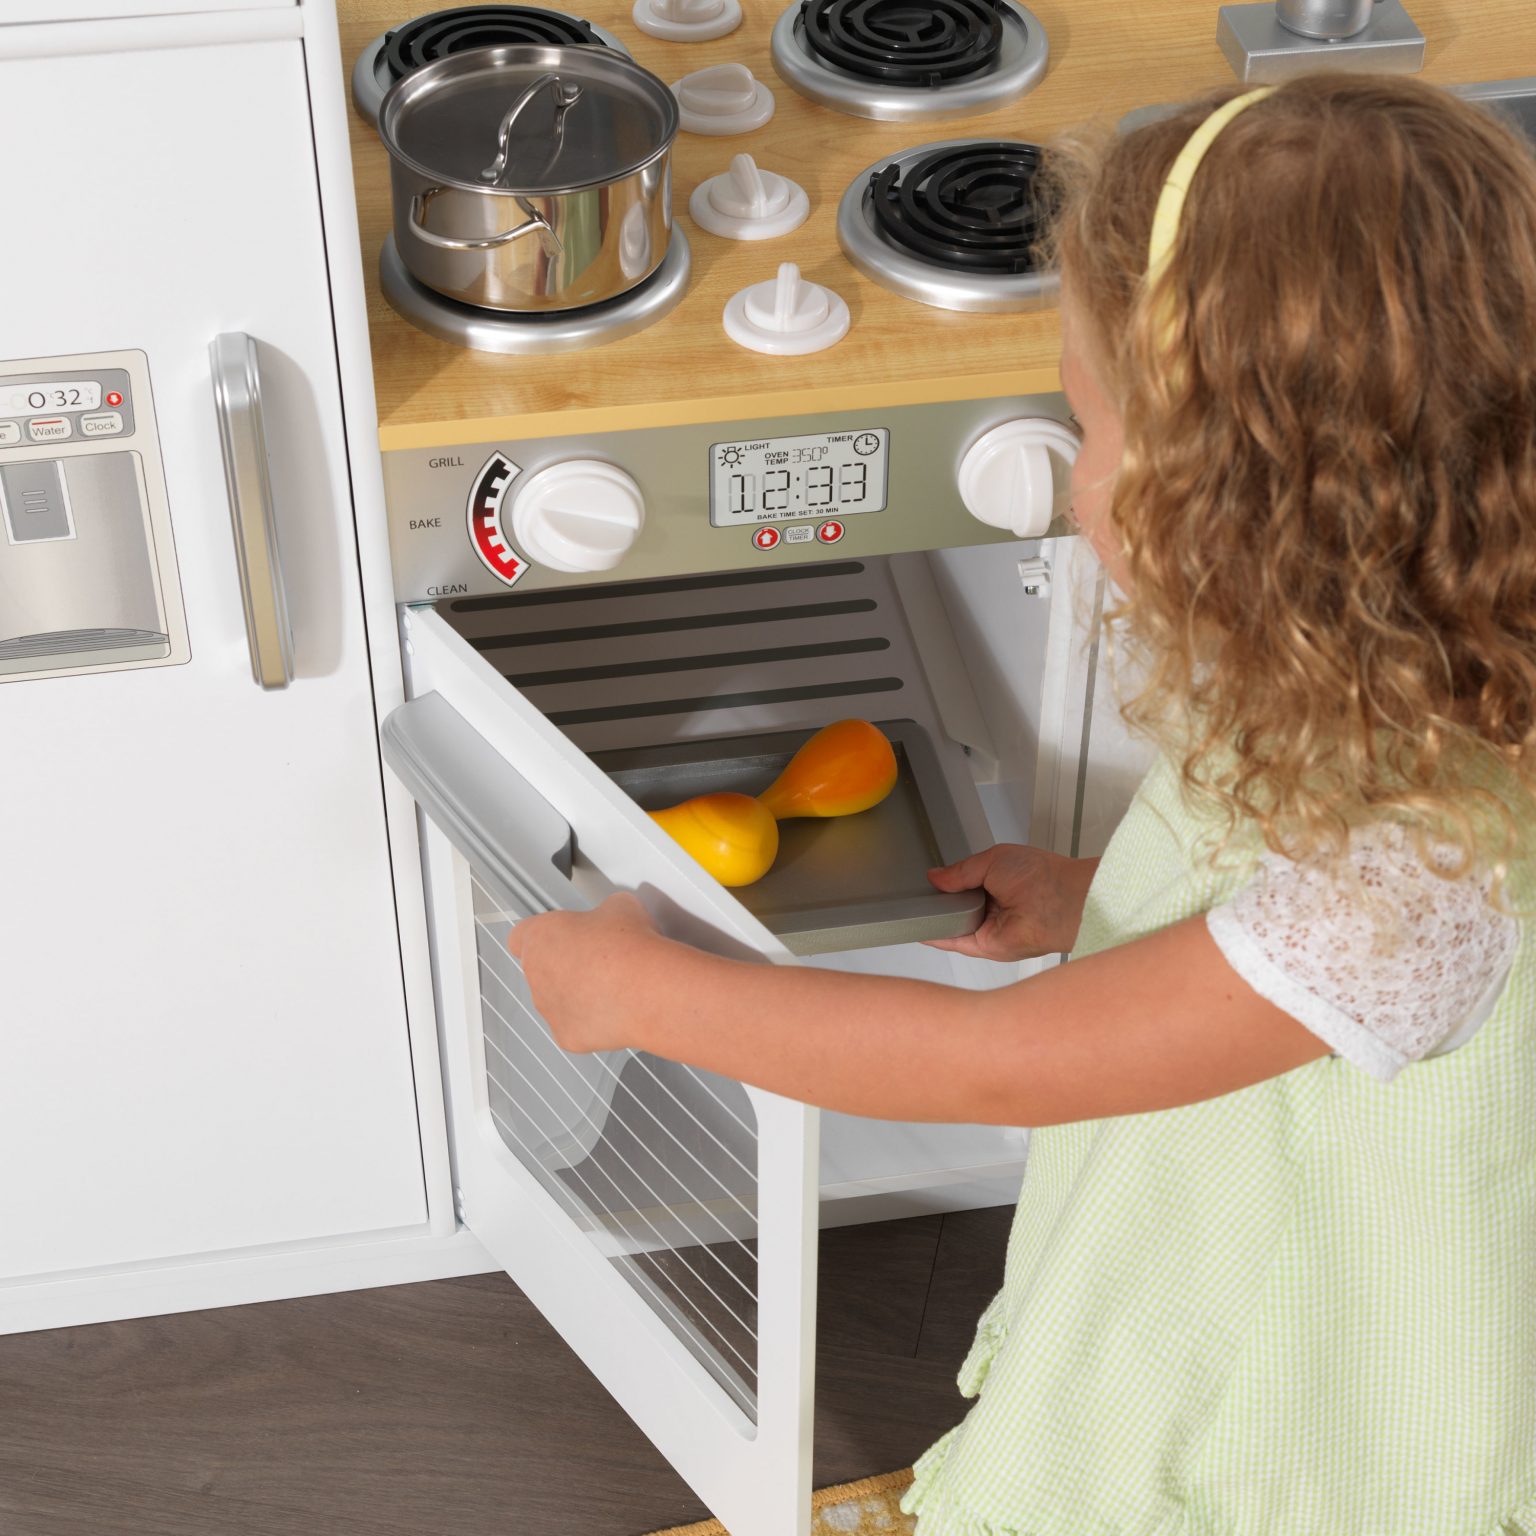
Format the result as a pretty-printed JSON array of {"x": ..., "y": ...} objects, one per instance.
[
  {"x": 1332, "y": 20},
  {"x": 528, "y": 178}
]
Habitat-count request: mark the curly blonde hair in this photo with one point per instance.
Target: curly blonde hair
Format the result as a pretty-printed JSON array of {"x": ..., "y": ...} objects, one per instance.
[{"x": 1327, "y": 501}]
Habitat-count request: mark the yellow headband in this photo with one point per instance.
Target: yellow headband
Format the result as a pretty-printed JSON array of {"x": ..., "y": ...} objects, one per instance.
[{"x": 1170, "y": 202}]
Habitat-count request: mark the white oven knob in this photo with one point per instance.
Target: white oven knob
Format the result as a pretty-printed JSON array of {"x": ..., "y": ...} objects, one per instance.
[
  {"x": 687, "y": 21},
  {"x": 1012, "y": 476},
  {"x": 582, "y": 515},
  {"x": 722, "y": 99},
  {"x": 749, "y": 203},
  {"x": 788, "y": 316}
]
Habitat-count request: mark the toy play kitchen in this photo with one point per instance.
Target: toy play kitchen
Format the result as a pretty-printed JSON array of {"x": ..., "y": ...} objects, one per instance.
[{"x": 707, "y": 397}]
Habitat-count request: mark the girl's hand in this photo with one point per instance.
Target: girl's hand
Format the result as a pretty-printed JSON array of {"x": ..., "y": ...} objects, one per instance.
[
  {"x": 1034, "y": 901},
  {"x": 590, "y": 973}
]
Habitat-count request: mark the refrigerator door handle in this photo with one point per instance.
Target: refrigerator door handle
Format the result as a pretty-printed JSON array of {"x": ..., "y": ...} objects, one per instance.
[
  {"x": 242, "y": 435},
  {"x": 517, "y": 843}
]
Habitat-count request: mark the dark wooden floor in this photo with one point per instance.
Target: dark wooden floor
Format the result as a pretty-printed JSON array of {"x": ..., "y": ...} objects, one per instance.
[{"x": 447, "y": 1409}]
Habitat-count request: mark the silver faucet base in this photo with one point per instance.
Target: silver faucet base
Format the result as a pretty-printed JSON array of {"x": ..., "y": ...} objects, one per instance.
[{"x": 1260, "y": 50}]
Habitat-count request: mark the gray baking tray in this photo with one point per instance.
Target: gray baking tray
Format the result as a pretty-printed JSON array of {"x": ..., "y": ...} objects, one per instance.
[{"x": 843, "y": 882}]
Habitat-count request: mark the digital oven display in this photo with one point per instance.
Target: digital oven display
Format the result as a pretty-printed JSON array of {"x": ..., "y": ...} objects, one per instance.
[{"x": 830, "y": 474}]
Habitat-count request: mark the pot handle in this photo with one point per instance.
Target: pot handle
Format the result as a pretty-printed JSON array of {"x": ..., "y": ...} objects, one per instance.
[
  {"x": 565, "y": 98},
  {"x": 537, "y": 224}
]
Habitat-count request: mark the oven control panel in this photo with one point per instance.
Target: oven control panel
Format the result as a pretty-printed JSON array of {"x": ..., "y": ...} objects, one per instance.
[{"x": 479, "y": 518}]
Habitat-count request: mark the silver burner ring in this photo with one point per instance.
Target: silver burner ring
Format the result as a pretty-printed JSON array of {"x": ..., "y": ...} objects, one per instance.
[
  {"x": 370, "y": 78},
  {"x": 571, "y": 330},
  {"x": 1019, "y": 67},
  {"x": 982, "y": 293}
]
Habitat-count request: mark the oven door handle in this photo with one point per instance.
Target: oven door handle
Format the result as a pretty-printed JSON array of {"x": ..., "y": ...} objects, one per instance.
[
  {"x": 518, "y": 845},
  {"x": 247, "y": 473}
]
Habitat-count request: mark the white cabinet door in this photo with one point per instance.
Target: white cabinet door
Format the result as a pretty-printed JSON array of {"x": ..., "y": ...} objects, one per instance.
[
  {"x": 664, "y": 1220},
  {"x": 202, "y": 1028}
]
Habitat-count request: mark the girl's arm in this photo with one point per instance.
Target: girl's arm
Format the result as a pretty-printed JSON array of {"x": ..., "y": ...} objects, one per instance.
[{"x": 1151, "y": 1024}]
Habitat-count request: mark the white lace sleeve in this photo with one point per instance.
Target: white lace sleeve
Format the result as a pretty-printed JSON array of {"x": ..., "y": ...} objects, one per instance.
[{"x": 1382, "y": 959}]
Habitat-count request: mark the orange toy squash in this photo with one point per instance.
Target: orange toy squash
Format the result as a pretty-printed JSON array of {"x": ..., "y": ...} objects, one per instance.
[
  {"x": 734, "y": 837},
  {"x": 843, "y": 769}
]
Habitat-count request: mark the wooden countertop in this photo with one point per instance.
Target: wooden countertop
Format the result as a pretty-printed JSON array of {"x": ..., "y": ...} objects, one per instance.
[{"x": 1107, "y": 56}]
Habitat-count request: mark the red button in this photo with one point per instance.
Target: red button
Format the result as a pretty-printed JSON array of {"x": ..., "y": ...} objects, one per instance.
[
  {"x": 766, "y": 538},
  {"x": 830, "y": 533},
  {"x": 113, "y": 398}
]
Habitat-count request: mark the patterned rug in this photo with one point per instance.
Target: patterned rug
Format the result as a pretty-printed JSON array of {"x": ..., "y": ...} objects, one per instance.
[{"x": 867, "y": 1508}]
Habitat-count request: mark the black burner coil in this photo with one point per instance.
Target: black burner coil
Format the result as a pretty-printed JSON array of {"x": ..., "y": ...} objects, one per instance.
[
  {"x": 905, "y": 44},
  {"x": 464, "y": 27},
  {"x": 971, "y": 207}
]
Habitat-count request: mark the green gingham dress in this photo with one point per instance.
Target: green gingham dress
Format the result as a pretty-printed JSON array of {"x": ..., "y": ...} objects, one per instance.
[{"x": 1306, "y": 1308}]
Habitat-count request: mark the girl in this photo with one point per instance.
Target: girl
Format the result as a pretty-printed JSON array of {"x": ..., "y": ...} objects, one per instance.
[{"x": 1273, "y": 1272}]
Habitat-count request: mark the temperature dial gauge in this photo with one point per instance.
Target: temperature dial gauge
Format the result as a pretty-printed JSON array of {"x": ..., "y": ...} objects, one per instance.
[{"x": 486, "y": 533}]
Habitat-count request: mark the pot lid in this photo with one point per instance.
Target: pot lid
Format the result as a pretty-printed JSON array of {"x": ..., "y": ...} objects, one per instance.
[{"x": 529, "y": 119}]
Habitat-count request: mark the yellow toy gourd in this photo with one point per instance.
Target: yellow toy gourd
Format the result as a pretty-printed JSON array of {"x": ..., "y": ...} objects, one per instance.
[
  {"x": 733, "y": 836},
  {"x": 843, "y": 769}
]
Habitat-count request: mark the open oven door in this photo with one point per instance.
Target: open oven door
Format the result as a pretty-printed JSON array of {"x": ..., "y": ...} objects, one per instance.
[{"x": 662, "y": 1219}]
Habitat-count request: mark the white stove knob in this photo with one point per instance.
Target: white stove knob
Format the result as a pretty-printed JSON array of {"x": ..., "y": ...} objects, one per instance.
[
  {"x": 748, "y": 203},
  {"x": 687, "y": 21},
  {"x": 582, "y": 515},
  {"x": 725, "y": 98},
  {"x": 787, "y": 316},
  {"x": 1009, "y": 477}
]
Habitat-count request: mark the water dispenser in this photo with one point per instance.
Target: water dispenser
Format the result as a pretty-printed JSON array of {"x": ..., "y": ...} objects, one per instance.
[{"x": 88, "y": 576}]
